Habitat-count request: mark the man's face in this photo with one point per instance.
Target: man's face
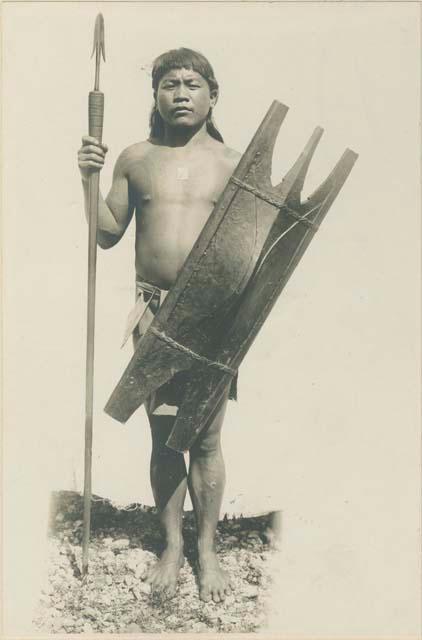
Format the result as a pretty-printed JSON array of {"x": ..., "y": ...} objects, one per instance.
[{"x": 184, "y": 99}]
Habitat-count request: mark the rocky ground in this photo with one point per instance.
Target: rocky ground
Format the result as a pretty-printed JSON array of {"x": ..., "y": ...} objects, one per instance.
[{"x": 124, "y": 543}]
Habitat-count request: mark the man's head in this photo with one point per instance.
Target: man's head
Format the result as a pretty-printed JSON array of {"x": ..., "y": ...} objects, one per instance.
[{"x": 185, "y": 92}]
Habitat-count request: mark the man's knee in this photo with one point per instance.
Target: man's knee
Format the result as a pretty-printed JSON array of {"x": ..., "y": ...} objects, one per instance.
[
  {"x": 207, "y": 445},
  {"x": 208, "y": 442}
]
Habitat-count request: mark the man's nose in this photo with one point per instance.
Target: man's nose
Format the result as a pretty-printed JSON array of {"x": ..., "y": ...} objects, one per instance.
[{"x": 180, "y": 93}]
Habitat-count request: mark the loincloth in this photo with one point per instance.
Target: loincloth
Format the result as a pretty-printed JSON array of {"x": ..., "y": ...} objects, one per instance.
[{"x": 167, "y": 398}]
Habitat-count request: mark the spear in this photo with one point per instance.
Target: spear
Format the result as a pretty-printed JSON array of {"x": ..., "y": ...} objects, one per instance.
[{"x": 95, "y": 116}]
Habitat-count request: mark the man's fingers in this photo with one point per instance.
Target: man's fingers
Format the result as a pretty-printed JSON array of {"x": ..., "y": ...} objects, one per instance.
[
  {"x": 90, "y": 148},
  {"x": 96, "y": 157},
  {"x": 87, "y": 162},
  {"x": 84, "y": 164},
  {"x": 86, "y": 140}
]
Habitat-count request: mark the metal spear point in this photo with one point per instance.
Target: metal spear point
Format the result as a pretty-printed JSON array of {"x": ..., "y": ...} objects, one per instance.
[
  {"x": 95, "y": 117},
  {"x": 98, "y": 48}
]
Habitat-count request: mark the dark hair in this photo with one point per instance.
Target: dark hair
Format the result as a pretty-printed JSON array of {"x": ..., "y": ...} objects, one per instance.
[{"x": 182, "y": 58}]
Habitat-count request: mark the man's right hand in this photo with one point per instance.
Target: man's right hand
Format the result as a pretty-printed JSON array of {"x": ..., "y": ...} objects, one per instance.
[{"x": 91, "y": 156}]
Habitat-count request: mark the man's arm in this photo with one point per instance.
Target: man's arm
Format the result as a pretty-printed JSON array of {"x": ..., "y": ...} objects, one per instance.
[{"x": 114, "y": 213}]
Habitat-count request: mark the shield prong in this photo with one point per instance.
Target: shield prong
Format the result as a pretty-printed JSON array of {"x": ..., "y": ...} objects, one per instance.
[
  {"x": 291, "y": 186},
  {"x": 323, "y": 196}
]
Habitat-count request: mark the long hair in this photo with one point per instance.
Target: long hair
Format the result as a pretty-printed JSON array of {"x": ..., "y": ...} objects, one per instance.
[{"x": 182, "y": 58}]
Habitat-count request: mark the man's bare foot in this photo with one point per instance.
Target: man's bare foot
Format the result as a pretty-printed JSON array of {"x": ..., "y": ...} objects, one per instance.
[
  {"x": 214, "y": 583},
  {"x": 164, "y": 574}
]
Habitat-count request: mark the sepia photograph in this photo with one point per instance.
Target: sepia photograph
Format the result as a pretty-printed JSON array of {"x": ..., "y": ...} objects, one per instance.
[{"x": 211, "y": 297}]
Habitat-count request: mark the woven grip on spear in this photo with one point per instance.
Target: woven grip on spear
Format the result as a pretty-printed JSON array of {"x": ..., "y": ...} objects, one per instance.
[
  {"x": 95, "y": 118},
  {"x": 96, "y": 114}
]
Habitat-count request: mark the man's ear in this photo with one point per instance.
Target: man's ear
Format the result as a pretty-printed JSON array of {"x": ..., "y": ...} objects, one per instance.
[{"x": 213, "y": 97}]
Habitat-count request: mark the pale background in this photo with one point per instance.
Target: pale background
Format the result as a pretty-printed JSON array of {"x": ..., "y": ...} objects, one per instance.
[{"x": 327, "y": 426}]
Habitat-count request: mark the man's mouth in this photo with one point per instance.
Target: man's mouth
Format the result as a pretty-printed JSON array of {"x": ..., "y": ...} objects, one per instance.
[{"x": 181, "y": 111}]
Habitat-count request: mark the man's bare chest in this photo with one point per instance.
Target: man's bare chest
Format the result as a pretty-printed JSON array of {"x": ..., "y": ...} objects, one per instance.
[{"x": 177, "y": 179}]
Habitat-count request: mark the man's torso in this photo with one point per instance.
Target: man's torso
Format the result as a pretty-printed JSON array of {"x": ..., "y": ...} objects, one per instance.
[{"x": 173, "y": 190}]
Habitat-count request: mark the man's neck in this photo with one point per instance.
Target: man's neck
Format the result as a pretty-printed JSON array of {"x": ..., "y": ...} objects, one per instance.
[{"x": 184, "y": 136}]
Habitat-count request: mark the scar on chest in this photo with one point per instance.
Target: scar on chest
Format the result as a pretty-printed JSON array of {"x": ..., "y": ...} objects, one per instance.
[{"x": 182, "y": 173}]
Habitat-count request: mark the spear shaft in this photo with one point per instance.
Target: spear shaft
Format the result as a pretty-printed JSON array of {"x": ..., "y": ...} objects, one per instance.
[{"x": 95, "y": 117}]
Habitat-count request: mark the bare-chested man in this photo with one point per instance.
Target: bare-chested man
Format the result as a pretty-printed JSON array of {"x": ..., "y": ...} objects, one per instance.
[{"x": 171, "y": 182}]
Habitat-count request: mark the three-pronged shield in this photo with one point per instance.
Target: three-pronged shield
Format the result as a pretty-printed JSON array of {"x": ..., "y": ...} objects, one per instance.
[{"x": 245, "y": 254}]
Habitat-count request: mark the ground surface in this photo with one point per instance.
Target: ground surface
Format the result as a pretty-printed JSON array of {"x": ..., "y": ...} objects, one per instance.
[{"x": 124, "y": 543}]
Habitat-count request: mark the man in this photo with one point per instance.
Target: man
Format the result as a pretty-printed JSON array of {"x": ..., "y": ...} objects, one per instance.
[{"x": 171, "y": 183}]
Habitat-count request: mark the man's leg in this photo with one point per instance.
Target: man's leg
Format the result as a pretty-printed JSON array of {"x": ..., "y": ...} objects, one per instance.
[
  {"x": 206, "y": 486},
  {"x": 169, "y": 483}
]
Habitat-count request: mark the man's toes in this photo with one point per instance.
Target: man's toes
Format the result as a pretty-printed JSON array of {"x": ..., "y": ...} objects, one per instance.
[
  {"x": 222, "y": 595},
  {"x": 205, "y": 594},
  {"x": 215, "y": 596},
  {"x": 169, "y": 586},
  {"x": 170, "y": 591}
]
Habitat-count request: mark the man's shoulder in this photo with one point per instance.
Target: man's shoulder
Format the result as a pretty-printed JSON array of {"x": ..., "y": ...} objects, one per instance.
[
  {"x": 228, "y": 155},
  {"x": 137, "y": 151},
  {"x": 232, "y": 155}
]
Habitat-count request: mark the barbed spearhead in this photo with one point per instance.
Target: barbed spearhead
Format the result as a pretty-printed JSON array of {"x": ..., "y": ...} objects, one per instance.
[{"x": 99, "y": 36}]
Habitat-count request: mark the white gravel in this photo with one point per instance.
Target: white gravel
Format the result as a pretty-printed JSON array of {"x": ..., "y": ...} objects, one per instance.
[{"x": 114, "y": 599}]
